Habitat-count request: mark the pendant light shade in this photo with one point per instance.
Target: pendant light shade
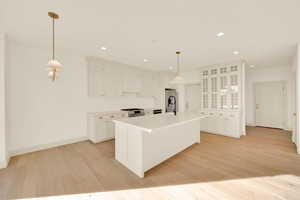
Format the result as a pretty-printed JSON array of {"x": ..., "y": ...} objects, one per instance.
[
  {"x": 178, "y": 78},
  {"x": 54, "y": 67}
]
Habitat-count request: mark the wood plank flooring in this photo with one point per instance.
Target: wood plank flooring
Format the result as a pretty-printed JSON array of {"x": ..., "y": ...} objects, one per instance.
[{"x": 261, "y": 165}]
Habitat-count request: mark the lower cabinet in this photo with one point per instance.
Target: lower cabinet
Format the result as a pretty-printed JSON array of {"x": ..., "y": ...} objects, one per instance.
[
  {"x": 222, "y": 123},
  {"x": 101, "y": 126},
  {"x": 110, "y": 129}
]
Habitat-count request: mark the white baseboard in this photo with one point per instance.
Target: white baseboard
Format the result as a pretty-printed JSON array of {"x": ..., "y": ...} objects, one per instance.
[
  {"x": 250, "y": 124},
  {"x": 3, "y": 164},
  {"x": 46, "y": 146}
]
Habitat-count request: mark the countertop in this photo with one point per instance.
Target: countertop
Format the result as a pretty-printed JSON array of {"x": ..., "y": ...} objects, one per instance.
[{"x": 149, "y": 123}]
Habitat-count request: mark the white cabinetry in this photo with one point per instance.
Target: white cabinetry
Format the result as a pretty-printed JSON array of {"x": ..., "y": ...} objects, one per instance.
[
  {"x": 107, "y": 78},
  {"x": 101, "y": 126},
  {"x": 113, "y": 83},
  {"x": 96, "y": 81},
  {"x": 221, "y": 95},
  {"x": 132, "y": 81},
  {"x": 149, "y": 84}
]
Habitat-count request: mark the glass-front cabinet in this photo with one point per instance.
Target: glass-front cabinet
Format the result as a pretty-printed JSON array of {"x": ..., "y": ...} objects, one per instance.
[
  {"x": 221, "y": 99},
  {"x": 220, "y": 87},
  {"x": 205, "y": 91}
]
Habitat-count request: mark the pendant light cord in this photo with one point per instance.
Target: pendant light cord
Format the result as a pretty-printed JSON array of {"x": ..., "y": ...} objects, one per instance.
[
  {"x": 178, "y": 63},
  {"x": 53, "y": 39}
]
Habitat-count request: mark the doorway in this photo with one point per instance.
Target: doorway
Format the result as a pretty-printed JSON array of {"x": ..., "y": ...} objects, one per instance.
[{"x": 270, "y": 98}]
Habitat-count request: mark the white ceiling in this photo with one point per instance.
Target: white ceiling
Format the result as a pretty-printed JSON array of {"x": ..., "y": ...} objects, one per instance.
[{"x": 263, "y": 31}]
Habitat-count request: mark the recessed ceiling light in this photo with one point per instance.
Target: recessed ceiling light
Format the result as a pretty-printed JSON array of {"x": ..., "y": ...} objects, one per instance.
[
  {"x": 145, "y": 60},
  {"x": 236, "y": 53},
  {"x": 171, "y": 67},
  {"x": 220, "y": 34},
  {"x": 252, "y": 66},
  {"x": 103, "y": 48}
]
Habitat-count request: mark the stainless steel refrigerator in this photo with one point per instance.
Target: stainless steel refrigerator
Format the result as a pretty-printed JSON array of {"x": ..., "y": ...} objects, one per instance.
[{"x": 171, "y": 100}]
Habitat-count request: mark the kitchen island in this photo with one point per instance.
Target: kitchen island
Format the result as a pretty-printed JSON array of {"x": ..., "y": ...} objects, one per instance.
[{"x": 143, "y": 142}]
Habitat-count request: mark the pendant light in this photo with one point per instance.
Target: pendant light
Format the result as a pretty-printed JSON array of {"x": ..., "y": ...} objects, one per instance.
[
  {"x": 178, "y": 78},
  {"x": 54, "y": 67}
]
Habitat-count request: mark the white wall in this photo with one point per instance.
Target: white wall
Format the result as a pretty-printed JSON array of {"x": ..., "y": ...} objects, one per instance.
[
  {"x": 41, "y": 112},
  {"x": 3, "y": 147},
  {"x": 296, "y": 65},
  {"x": 254, "y": 75}
]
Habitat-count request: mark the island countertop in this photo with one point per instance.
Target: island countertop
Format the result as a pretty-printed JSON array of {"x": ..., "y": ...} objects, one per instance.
[{"x": 149, "y": 123}]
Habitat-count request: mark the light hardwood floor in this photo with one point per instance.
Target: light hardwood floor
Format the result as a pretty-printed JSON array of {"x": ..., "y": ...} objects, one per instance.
[{"x": 261, "y": 165}]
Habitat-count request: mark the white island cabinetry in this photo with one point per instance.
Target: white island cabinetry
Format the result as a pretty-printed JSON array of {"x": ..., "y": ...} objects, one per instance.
[{"x": 143, "y": 142}]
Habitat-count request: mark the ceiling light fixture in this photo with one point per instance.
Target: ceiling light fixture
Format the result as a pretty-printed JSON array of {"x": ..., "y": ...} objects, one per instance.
[
  {"x": 171, "y": 67},
  {"x": 53, "y": 65},
  {"x": 178, "y": 78},
  {"x": 220, "y": 34},
  {"x": 145, "y": 60},
  {"x": 103, "y": 48},
  {"x": 236, "y": 53}
]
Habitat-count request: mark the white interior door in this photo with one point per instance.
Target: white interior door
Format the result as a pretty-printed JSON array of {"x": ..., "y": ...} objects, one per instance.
[
  {"x": 270, "y": 107},
  {"x": 192, "y": 97}
]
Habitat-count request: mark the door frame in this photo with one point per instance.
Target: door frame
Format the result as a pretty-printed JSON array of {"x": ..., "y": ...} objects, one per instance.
[{"x": 284, "y": 120}]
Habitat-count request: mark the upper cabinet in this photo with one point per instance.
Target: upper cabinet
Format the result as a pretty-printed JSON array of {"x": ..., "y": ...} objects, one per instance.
[
  {"x": 113, "y": 80},
  {"x": 149, "y": 84},
  {"x": 132, "y": 80},
  {"x": 107, "y": 78},
  {"x": 96, "y": 81},
  {"x": 221, "y": 87}
]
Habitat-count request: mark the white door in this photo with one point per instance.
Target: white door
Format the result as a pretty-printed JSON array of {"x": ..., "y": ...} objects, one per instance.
[
  {"x": 269, "y": 97},
  {"x": 192, "y": 97}
]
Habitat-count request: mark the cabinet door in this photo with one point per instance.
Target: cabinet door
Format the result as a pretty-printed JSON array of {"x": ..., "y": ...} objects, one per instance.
[
  {"x": 234, "y": 96},
  {"x": 231, "y": 127},
  {"x": 205, "y": 98},
  {"x": 113, "y": 81},
  {"x": 221, "y": 124},
  {"x": 100, "y": 131},
  {"x": 110, "y": 128},
  {"x": 148, "y": 84},
  {"x": 96, "y": 82},
  {"x": 211, "y": 123},
  {"x": 223, "y": 92},
  {"x": 132, "y": 81},
  {"x": 214, "y": 92}
]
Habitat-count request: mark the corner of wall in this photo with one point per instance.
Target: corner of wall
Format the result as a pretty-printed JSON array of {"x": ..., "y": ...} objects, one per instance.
[{"x": 4, "y": 164}]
